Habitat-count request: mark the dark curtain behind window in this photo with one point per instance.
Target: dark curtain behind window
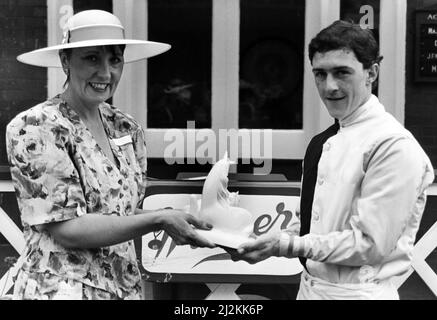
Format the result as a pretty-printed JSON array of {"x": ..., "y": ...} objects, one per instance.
[{"x": 81, "y": 5}]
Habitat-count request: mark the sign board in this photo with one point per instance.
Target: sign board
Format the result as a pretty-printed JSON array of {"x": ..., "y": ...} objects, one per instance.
[
  {"x": 164, "y": 261},
  {"x": 426, "y": 46}
]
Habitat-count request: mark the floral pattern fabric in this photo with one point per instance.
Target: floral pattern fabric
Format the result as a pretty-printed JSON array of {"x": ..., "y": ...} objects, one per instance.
[{"x": 60, "y": 173}]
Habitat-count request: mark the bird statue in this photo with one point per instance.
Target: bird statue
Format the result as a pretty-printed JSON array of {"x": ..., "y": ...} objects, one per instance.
[{"x": 219, "y": 207}]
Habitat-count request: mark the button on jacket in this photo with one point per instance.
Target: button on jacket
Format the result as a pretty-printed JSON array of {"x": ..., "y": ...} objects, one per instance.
[{"x": 368, "y": 200}]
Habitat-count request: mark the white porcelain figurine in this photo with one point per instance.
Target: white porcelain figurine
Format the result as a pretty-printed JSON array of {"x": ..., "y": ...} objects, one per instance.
[{"x": 219, "y": 206}]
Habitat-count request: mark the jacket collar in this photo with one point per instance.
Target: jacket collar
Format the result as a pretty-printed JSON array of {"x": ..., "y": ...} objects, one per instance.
[{"x": 364, "y": 112}]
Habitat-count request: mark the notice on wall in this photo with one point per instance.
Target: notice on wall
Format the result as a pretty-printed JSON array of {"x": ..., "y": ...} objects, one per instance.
[{"x": 426, "y": 46}]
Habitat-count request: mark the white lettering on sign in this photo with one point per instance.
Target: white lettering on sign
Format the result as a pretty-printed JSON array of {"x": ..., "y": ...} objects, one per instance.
[
  {"x": 432, "y": 30},
  {"x": 434, "y": 69},
  {"x": 432, "y": 16},
  {"x": 431, "y": 56},
  {"x": 435, "y": 43}
]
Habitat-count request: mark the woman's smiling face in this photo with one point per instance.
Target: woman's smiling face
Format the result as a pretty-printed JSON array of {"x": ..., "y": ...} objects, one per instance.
[{"x": 94, "y": 72}]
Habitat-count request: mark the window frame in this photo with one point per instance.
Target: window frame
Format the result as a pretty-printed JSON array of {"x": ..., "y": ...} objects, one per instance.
[{"x": 131, "y": 95}]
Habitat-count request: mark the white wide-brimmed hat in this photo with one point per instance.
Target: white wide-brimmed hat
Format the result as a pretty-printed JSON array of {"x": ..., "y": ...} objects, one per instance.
[{"x": 93, "y": 28}]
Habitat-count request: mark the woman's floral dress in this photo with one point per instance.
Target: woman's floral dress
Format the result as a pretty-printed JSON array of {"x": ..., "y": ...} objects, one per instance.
[{"x": 60, "y": 173}]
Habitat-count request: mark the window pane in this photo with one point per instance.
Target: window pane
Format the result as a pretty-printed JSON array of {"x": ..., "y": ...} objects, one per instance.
[
  {"x": 271, "y": 63},
  {"x": 81, "y": 5},
  {"x": 179, "y": 81}
]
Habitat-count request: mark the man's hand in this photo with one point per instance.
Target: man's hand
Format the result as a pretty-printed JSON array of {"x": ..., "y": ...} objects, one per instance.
[{"x": 258, "y": 250}]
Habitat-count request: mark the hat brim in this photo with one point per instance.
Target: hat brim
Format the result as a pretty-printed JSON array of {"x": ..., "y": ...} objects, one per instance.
[{"x": 135, "y": 50}]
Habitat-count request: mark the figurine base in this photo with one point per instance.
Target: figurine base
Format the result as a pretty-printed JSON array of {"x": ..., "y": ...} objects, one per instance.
[{"x": 223, "y": 238}]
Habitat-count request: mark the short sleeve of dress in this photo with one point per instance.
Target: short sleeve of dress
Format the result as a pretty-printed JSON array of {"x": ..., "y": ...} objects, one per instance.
[
  {"x": 139, "y": 144},
  {"x": 46, "y": 181}
]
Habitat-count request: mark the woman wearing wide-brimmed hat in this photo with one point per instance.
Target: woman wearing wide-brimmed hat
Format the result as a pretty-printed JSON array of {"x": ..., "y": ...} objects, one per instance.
[{"x": 79, "y": 169}]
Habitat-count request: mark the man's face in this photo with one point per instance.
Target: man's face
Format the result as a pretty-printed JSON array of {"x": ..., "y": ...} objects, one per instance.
[{"x": 343, "y": 83}]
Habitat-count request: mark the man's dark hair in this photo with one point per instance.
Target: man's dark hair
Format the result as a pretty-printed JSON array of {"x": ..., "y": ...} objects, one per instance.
[{"x": 350, "y": 36}]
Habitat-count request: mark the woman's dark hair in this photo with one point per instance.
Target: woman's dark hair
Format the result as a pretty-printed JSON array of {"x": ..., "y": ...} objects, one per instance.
[
  {"x": 347, "y": 35},
  {"x": 68, "y": 52}
]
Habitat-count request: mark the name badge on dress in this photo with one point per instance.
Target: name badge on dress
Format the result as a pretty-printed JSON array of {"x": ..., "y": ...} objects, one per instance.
[{"x": 122, "y": 140}]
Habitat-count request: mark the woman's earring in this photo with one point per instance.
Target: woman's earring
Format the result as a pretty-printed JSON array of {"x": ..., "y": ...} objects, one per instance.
[{"x": 67, "y": 71}]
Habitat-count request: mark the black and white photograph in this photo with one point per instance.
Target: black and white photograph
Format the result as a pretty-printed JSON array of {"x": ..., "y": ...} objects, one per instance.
[{"x": 218, "y": 155}]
